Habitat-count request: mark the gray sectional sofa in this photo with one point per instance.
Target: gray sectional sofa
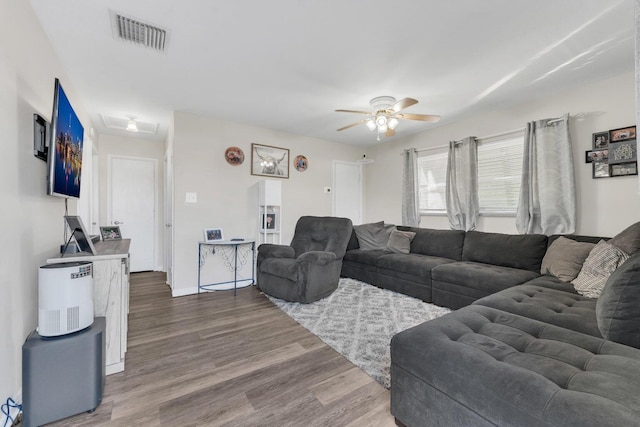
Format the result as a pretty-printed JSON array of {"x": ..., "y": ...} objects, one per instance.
[{"x": 523, "y": 348}]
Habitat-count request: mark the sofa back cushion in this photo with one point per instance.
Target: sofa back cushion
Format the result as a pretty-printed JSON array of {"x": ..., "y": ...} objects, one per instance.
[
  {"x": 439, "y": 243},
  {"x": 353, "y": 241},
  {"x": 565, "y": 257},
  {"x": 328, "y": 234},
  {"x": 618, "y": 307},
  {"x": 576, "y": 237},
  {"x": 524, "y": 251}
]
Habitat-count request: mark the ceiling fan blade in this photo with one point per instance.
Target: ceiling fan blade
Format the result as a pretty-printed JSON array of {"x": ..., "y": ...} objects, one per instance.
[
  {"x": 353, "y": 111},
  {"x": 352, "y": 125},
  {"x": 421, "y": 117},
  {"x": 403, "y": 103},
  {"x": 390, "y": 132}
]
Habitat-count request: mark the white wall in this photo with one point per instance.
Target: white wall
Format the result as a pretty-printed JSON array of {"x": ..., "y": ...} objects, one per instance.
[
  {"x": 32, "y": 221},
  {"x": 228, "y": 195},
  {"x": 605, "y": 206},
  {"x": 133, "y": 147}
]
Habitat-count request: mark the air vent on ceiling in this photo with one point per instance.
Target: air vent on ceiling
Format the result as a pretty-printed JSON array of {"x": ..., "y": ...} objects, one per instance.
[
  {"x": 120, "y": 123},
  {"x": 138, "y": 32}
]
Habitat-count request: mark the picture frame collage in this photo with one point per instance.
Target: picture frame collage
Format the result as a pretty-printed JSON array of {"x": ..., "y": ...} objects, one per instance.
[{"x": 614, "y": 153}]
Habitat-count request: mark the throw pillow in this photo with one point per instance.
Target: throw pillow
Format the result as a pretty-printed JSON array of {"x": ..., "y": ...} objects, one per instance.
[
  {"x": 400, "y": 241},
  {"x": 603, "y": 260},
  {"x": 564, "y": 258},
  {"x": 618, "y": 308},
  {"x": 628, "y": 240},
  {"x": 372, "y": 236}
]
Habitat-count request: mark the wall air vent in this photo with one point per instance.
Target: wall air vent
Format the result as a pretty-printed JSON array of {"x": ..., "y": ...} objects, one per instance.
[{"x": 138, "y": 32}]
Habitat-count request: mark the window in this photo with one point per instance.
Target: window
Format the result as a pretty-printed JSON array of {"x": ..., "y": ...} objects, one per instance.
[
  {"x": 432, "y": 181},
  {"x": 499, "y": 175}
]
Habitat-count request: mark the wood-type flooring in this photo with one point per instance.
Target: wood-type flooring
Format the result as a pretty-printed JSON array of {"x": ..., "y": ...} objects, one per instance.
[{"x": 218, "y": 360}]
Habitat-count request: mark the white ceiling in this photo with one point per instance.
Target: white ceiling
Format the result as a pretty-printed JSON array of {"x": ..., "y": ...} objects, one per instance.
[{"x": 288, "y": 64}]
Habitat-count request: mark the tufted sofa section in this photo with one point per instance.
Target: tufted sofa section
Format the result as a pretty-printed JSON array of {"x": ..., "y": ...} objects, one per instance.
[
  {"x": 549, "y": 300},
  {"x": 480, "y": 366}
]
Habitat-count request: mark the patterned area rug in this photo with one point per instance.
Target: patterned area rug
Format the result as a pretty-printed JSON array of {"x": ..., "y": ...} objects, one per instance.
[{"x": 358, "y": 321}]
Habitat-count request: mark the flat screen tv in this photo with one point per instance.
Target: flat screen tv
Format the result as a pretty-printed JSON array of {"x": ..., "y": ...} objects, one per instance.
[{"x": 65, "y": 148}]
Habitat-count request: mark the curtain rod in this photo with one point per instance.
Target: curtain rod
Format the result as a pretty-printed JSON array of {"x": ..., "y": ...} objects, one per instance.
[{"x": 495, "y": 135}]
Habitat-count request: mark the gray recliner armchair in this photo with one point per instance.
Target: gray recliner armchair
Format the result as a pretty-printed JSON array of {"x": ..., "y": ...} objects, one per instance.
[{"x": 309, "y": 269}]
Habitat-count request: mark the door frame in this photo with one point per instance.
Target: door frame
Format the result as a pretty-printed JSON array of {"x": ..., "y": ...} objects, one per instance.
[
  {"x": 154, "y": 162},
  {"x": 169, "y": 212},
  {"x": 361, "y": 189}
]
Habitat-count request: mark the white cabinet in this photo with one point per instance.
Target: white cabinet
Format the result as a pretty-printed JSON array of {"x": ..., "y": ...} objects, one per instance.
[
  {"x": 110, "y": 295},
  {"x": 269, "y": 211}
]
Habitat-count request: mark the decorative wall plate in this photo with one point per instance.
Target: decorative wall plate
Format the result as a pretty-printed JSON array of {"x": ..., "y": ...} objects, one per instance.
[
  {"x": 234, "y": 156},
  {"x": 301, "y": 163}
]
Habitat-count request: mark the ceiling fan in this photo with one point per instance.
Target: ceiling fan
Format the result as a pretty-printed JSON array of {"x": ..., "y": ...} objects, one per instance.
[{"x": 385, "y": 115}]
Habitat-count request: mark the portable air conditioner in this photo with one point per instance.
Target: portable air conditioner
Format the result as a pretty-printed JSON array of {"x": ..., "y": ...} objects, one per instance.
[{"x": 65, "y": 298}]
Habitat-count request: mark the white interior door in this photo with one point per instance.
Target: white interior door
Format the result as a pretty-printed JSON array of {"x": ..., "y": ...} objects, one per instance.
[
  {"x": 347, "y": 191},
  {"x": 132, "y": 206}
]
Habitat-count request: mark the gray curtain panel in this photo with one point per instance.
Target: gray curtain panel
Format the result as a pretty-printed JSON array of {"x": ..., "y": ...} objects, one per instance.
[
  {"x": 463, "y": 207},
  {"x": 547, "y": 202},
  {"x": 410, "y": 208}
]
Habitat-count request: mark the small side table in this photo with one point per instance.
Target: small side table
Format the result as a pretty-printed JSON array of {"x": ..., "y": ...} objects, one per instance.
[
  {"x": 63, "y": 376},
  {"x": 232, "y": 262}
]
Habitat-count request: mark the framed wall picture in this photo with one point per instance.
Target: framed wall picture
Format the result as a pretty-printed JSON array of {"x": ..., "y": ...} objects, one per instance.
[
  {"x": 623, "y": 151},
  {"x": 600, "y": 170},
  {"x": 600, "y": 140},
  {"x": 622, "y": 134},
  {"x": 269, "y": 161},
  {"x": 624, "y": 169},
  {"x": 213, "y": 234},
  {"x": 269, "y": 222},
  {"x": 596, "y": 156},
  {"x": 111, "y": 232}
]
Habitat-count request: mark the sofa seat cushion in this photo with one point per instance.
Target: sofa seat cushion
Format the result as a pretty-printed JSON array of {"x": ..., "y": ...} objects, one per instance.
[
  {"x": 474, "y": 280},
  {"x": 511, "y": 370},
  {"x": 365, "y": 256},
  {"x": 413, "y": 264},
  {"x": 537, "y": 300}
]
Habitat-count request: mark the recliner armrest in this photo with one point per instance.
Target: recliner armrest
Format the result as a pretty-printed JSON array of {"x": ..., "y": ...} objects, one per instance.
[
  {"x": 269, "y": 250},
  {"x": 317, "y": 257}
]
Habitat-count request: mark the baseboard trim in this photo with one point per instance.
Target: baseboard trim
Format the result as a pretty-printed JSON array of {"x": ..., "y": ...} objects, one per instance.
[{"x": 184, "y": 292}]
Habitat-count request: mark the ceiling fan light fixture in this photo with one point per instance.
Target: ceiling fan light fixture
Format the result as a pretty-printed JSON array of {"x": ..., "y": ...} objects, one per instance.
[
  {"x": 385, "y": 115},
  {"x": 371, "y": 124}
]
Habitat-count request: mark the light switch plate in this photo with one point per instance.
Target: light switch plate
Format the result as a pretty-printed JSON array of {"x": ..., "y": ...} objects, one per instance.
[{"x": 191, "y": 198}]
